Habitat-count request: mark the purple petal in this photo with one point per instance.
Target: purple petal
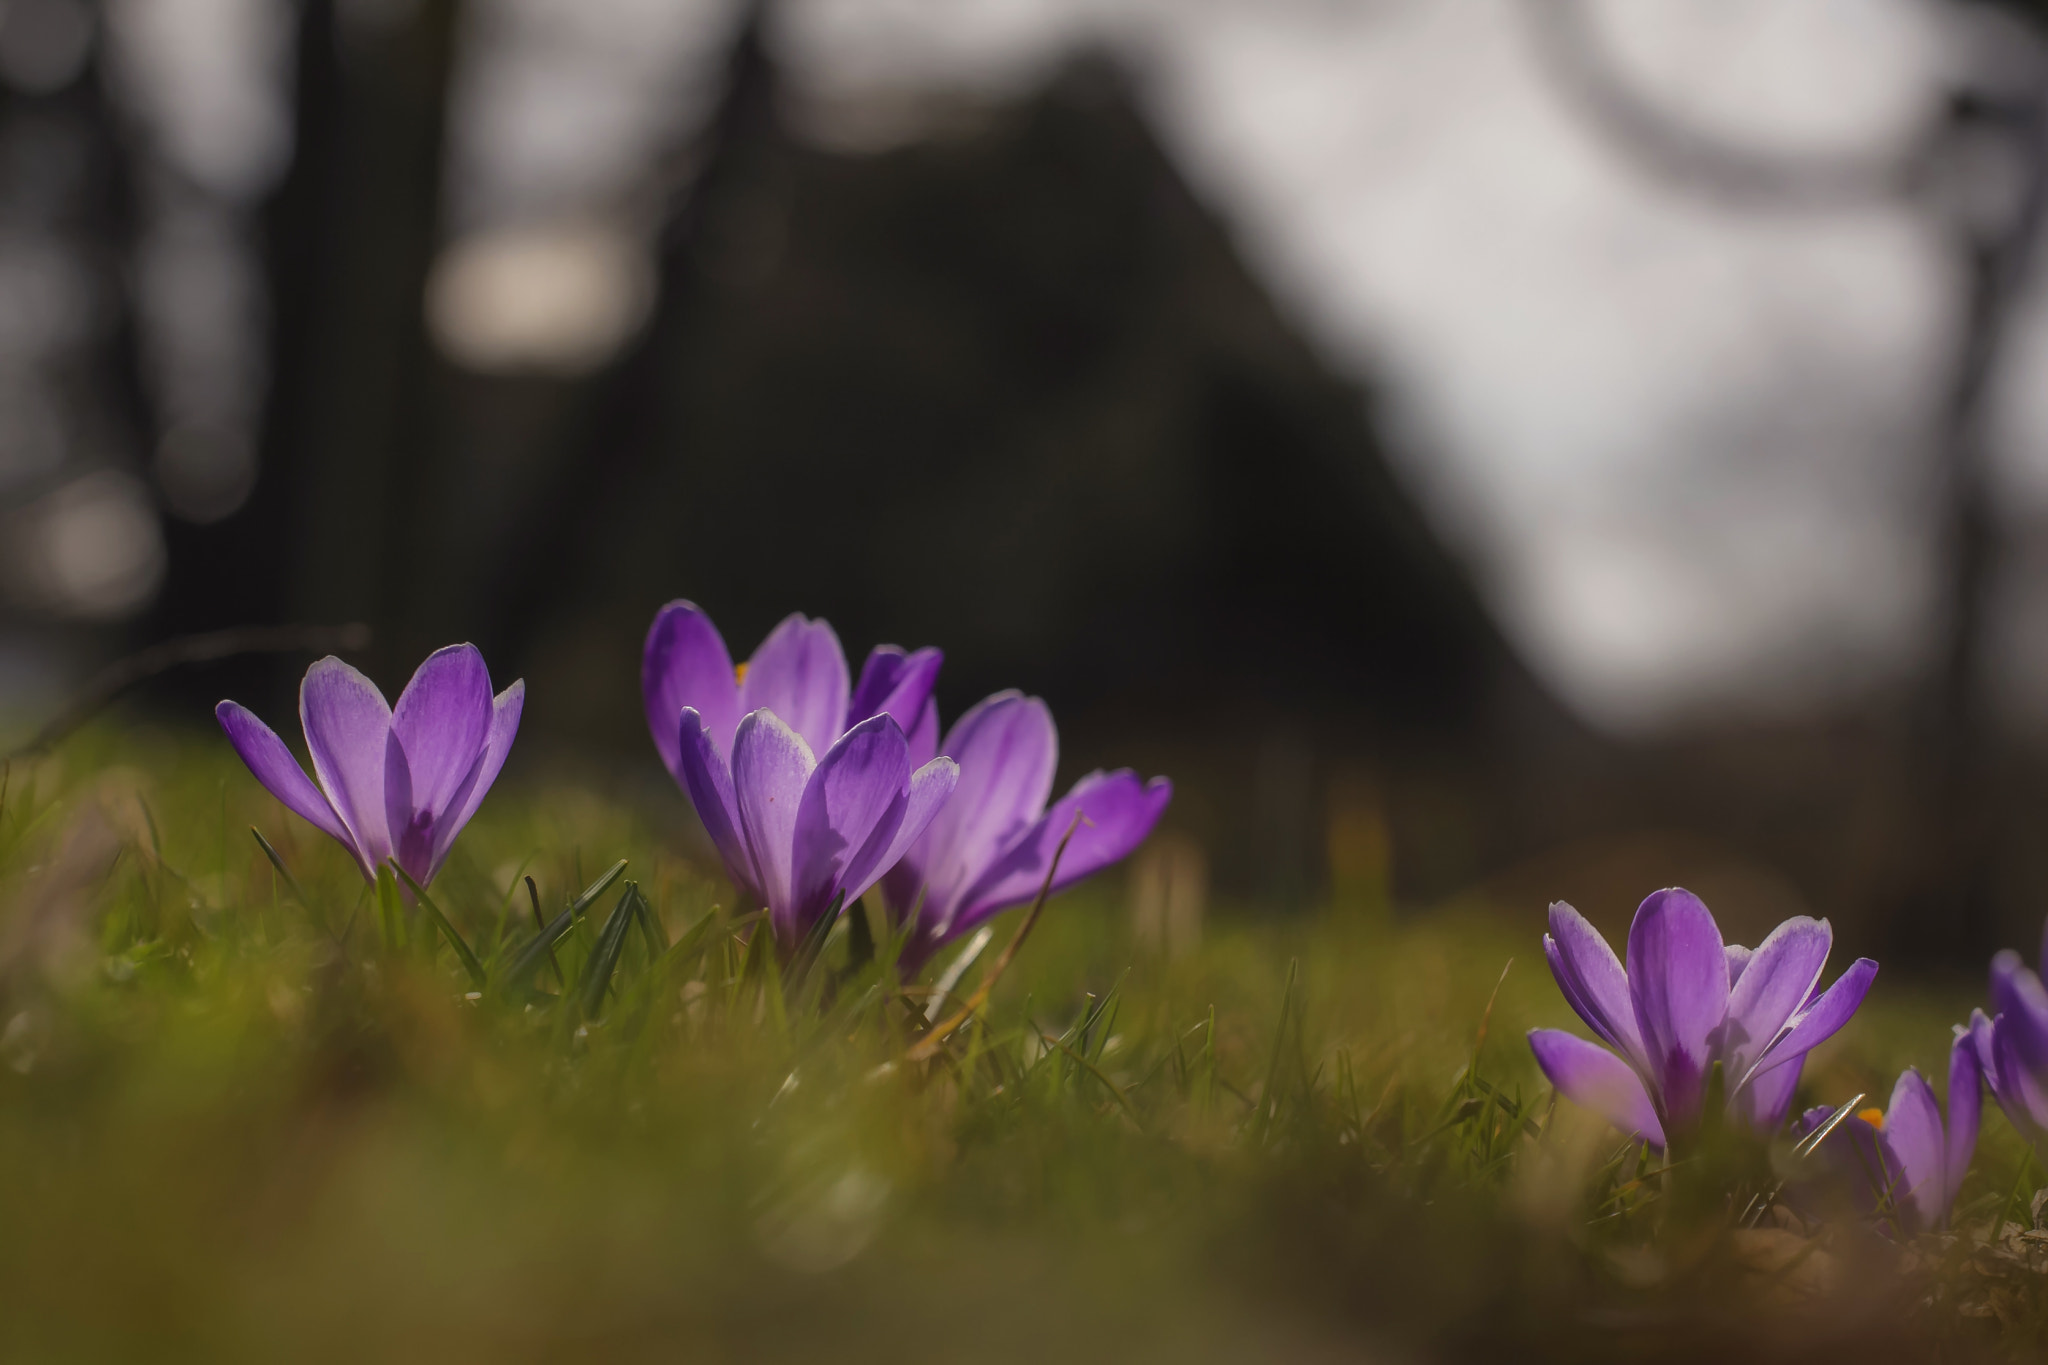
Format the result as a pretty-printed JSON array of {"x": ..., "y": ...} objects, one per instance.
[
  {"x": 2018, "y": 999},
  {"x": 708, "y": 784},
  {"x": 1762, "y": 1103},
  {"x": 1811, "y": 1119},
  {"x": 1007, "y": 749},
  {"x": 1820, "y": 1020},
  {"x": 1594, "y": 1078},
  {"x": 685, "y": 663},
  {"x": 348, "y": 727},
  {"x": 1593, "y": 983},
  {"x": 930, "y": 788},
  {"x": 1912, "y": 1131},
  {"x": 506, "y": 708},
  {"x": 1980, "y": 1032},
  {"x": 1778, "y": 979},
  {"x": 771, "y": 766},
  {"x": 1110, "y": 814},
  {"x": 799, "y": 673},
  {"x": 441, "y": 723},
  {"x": 854, "y": 799},
  {"x": 1965, "y": 1111},
  {"x": 895, "y": 684},
  {"x": 1678, "y": 981},
  {"x": 2018, "y": 1088},
  {"x": 281, "y": 774},
  {"x": 1738, "y": 962}
]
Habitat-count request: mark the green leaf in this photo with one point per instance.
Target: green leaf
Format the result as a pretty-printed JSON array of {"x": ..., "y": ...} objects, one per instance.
[
  {"x": 596, "y": 889},
  {"x": 651, "y": 929},
  {"x": 604, "y": 959},
  {"x": 814, "y": 941},
  {"x": 469, "y": 962},
  {"x": 521, "y": 971}
]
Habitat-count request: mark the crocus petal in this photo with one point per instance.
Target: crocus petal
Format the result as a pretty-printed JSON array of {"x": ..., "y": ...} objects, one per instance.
[
  {"x": 799, "y": 673},
  {"x": 2018, "y": 998},
  {"x": 506, "y": 708},
  {"x": 1738, "y": 962},
  {"x": 854, "y": 798},
  {"x": 1965, "y": 1112},
  {"x": 441, "y": 722},
  {"x": 1778, "y": 979},
  {"x": 1810, "y": 1120},
  {"x": 1678, "y": 981},
  {"x": 1820, "y": 1020},
  {"x": 930, "y": 788},
  {"x": 1912, "y": 1130},
  {"x": 1762, "y": 1103},
  {"x": 1591, "y": 1076},
  {"x": 1007, "y": 748},
  {"x": 771, "y": 766},
  {"x": 280, "y": 773},
  {"x": 1978, "y": 1030},
  {"x": 895, "y": 684},
  {"x": 1592, "y": 980},
  {"x": 708, "y": 784},
  {"x": 348, "y": 728},
  {"x": 1110, "y": 814},
  {"x": 2018, "y": 1088},
  {"x": 685, "y": 663}
]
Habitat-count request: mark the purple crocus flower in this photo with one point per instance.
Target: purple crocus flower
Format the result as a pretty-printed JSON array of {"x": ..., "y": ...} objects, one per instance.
[
  {"x": 2012, "y": 1047},
  {"x": 394, "y": 781},
  {"x": 799, "y": 673},
  {"x": 1903, "y": 1162},
  {"x": 1685, "y": 1002},
  {"x": 989, "y": 849},
  {"x": 805, "y": 786}
]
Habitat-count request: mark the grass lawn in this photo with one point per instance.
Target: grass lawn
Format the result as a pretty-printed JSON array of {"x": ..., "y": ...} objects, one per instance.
[{"x": 247, "y": 1118}]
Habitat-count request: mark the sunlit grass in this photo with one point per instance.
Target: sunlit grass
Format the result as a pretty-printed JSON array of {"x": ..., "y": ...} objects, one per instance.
[{"x": 243, "y": 1116}]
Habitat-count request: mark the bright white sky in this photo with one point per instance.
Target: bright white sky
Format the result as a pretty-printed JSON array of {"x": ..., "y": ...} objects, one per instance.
[
  {"x": 1675, "y": 437},
  {"x": 1683, "y": 443}
]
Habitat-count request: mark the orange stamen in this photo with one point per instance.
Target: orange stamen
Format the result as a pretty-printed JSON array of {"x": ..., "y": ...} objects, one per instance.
[
  {"x": 1873, "y": 1117},
  {"x": 739, "y": 671}
]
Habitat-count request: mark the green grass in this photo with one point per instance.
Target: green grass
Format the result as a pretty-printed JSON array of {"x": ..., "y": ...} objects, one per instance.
[{"x": 249, "y": 1118}]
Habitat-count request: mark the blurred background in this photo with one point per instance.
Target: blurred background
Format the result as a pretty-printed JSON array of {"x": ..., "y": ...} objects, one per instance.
[{"x": 1503, "y": 448}]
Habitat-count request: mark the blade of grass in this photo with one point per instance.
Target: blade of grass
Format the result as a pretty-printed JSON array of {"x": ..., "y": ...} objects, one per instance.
[
  {"x": 440, "y": 921},
  {"x": 540, "y": 926},
  {"x": 597, "y": 972},
  {"x": 291, "y": 883},
  {"x": 932, "y": 1041},
  {"x": 956, "y": 969},
  {"x": 597, "y": 888},
  {"x": 652, "y": 930},
  {"x": 529, "y": 958}
]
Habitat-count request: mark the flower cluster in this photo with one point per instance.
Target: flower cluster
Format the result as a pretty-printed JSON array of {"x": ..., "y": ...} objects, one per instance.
[
  {"x": 954, "y": 831},
  {"x": 1685, "y": 1005},
  {"x": 813, "y": 787}
]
